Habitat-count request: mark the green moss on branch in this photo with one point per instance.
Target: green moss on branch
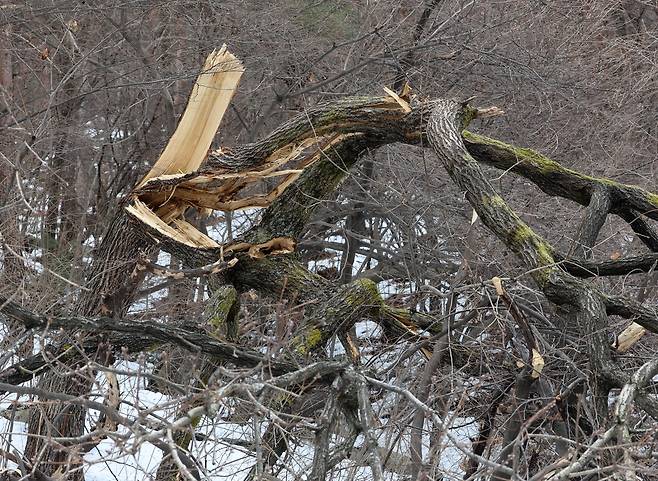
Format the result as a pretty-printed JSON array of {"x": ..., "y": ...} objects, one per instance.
[{"x": 555, "y": 179}]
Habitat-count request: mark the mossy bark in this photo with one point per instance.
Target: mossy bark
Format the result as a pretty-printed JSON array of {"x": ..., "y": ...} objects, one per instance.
[
  {"x": 444, "y": 132},
  {"x": 556, "y": 180},
  {"x": 222, "y": 320}
]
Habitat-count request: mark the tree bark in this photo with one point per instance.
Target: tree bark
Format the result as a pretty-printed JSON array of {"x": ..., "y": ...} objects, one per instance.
[
  {"x": 110, "y": 287},
  {"x": 359, "y": 123}
]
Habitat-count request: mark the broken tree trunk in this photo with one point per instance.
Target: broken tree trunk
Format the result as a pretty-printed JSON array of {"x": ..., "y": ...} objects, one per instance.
[{"x": 112, "y": 277}]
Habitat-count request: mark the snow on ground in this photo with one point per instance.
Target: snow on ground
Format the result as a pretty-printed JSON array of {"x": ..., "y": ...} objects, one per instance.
[
  {"x": 223, "y": 447},
  {"x": 107, "y": 461},
  {"x": 12, "y": 438}
]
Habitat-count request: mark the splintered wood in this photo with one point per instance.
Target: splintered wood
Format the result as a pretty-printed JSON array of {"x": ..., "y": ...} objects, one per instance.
[
  {"x": 210, "y": 97},
  {"x": 628, "y": 337},
  {"x": 161, "y": 198},
  {"x": 188, "y": 148},
  {"x": 179, "y": 180},
  {"x": 141, "y": 211}
]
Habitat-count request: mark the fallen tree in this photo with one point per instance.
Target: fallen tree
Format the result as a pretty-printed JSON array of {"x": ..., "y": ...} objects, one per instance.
[{"x": 304, "y": 160}]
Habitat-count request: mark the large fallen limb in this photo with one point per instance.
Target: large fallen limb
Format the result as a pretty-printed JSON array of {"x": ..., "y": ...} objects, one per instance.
[
  {"x": 444, "y": 128},
  {"x": 340, "y": 130},
  {"x": 374, "y": 121},
  {"x": 137, "y": 336},
  {"x": 291, "y": 210},
  {"x": 300, "y": 155},
  {"x": 556, "y": 180}
]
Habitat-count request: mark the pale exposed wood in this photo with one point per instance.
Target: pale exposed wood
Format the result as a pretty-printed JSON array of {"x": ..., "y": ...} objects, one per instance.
[
  {"x": 211, "y": 96},
  {"x": 218, "y": 190},
  {"x": 195, "y": 236},
  {"x": 403, "y": 103},
  {"x": 628, "y": 337},
  {"x": 179, "y": 232},
  {"x": 185, "y": 233},
  {"x": 169, "y": 195},
  {"x": 113, "y": 400}
]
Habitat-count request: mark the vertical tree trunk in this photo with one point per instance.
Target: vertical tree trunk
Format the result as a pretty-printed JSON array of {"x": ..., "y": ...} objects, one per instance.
[
  {"x": 110, "y": 289},
  {"x": 112, "y": 278},
  {"x": 11, "y": 238},
  {"x": 222, "y": 318}
]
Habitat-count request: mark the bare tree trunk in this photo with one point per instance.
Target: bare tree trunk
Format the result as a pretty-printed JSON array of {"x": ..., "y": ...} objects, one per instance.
[
  {"x": 111, "y": 284},
  {"x": 11, "y": 238},
  {"x": 221, "y": 316}
]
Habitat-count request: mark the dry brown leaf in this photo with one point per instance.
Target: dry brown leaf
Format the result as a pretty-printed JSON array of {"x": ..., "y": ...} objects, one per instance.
[
  {"x": 406, "y": 91},
  {"x": 537, "y": 364},
  {"x": 498, "y": 285},
  {"x": 278, "y": 245},
  {"x": 474, "y": 217}
]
